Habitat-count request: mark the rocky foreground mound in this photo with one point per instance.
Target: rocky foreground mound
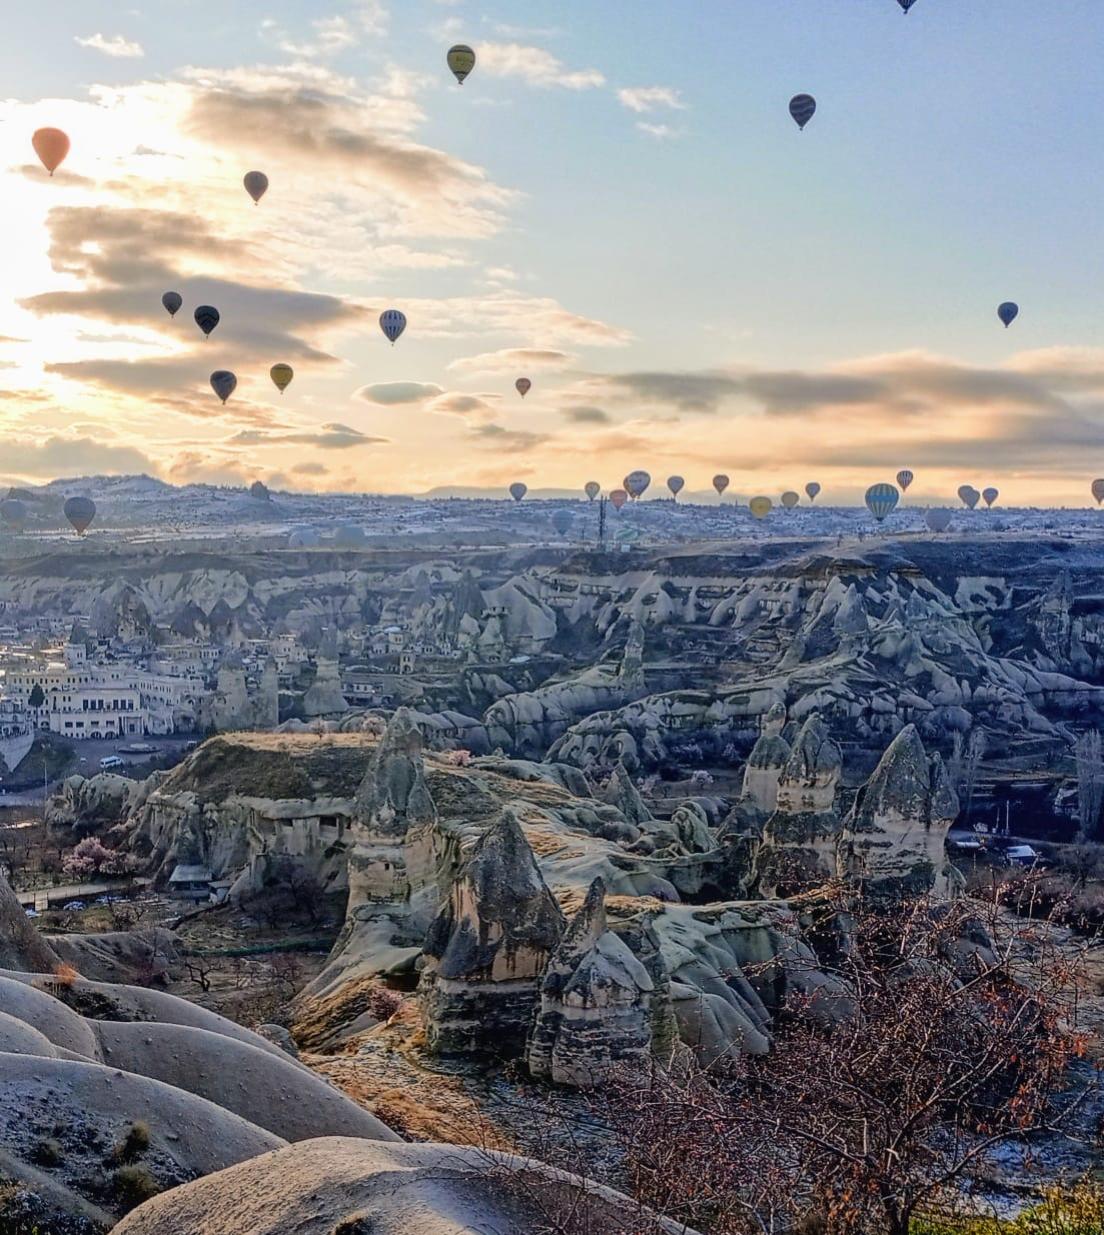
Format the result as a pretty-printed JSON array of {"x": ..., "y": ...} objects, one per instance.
[{"x": 362, "y": 1188}]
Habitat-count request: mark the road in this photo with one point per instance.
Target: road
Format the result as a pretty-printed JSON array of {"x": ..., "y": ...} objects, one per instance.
[{"x": 43, "y": 898}]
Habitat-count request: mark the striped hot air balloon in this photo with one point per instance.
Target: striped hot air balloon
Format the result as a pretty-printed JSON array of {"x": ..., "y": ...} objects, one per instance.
[
  {"x": 881, "y": 500},
  {"x": 802, "y": 108},
  {"x": 206, "y": 318},
  {"x": 392, "y": 323},
  {"x": 904, "y": 479}
]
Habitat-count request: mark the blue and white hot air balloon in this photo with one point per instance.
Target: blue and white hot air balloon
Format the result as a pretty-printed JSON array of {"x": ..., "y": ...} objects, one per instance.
[
  {"x": 802, "y": 108},
  {"x": 392, "y": 323},
  {"x": 881, "y": 500},
  {"x": 1008, "y": 312}
]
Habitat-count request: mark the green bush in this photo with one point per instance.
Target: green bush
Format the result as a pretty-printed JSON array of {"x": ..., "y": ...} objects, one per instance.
[{"x": 132, "y": 1185}]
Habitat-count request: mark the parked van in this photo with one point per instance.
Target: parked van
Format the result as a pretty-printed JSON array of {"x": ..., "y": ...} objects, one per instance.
[{"x": 110, "y": 761}]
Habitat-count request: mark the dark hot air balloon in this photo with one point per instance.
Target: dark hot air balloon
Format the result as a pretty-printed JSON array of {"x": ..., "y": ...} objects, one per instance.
[
  {"x": 990, "y": 495},
  {"x": 223, "y": 383},
  {"x": 968, "y": 495},
  {"x": 676, "y": 484},
  {"x": 256, "y": 185},
  {"x": 80, "y": 511},
  {"x": 1008, "y": 312},
  {"x": 13, "y": 512},
  {"x": 938, "y": 518},
  {"x": 637, "y": 483},
  {"x": 813, "y": 490},
  {"x": 802, "y": 108},
  {"x": 172, "y": 302},
  {"x": 720, "y": 483},
  {"x": 562, "y": 521},
  {"x": 1098, "y": 491},
  {"x": 790, "y": 499},
  {"x": 207, "y": 318},
  {"x": 518, "y": 490},
  {"x": 281, "y": 375},
  {"x": 523, "y": 385}
]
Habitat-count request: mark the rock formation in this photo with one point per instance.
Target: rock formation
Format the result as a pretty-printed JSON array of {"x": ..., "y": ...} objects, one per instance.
[
  {"x": 21, "y": 946},
  {"x": 596, "y": 1003},
  {"x": 488, "y": 947},
  {"x": 800, "y": 838},
  {"x": 323, "y": 696},
  {"x": 893, "y": 841}
]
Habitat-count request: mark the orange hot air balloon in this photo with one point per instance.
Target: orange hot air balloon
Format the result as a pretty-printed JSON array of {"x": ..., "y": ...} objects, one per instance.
[
  {"x": 51, "y": 146},
  {"x": 618, "y": 497}
]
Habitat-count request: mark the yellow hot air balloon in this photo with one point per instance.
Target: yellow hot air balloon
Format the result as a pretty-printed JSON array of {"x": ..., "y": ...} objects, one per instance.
[
  {"x": 281, "y": 375},
  {"x": 51, "y": 146},
  {"x": 461, "y": 59},
  {"x": 760, "y": 507}
]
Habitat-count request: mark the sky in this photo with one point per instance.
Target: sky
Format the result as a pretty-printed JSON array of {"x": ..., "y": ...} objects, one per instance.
[{"x": 616, "y": 204}]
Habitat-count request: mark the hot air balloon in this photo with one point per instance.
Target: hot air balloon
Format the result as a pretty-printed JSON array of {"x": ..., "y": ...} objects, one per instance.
[
  {"x": 518, "y": 490},
  {"x": 813, "y": 490},
  {"x": 13, "y": 512},
  {"x": 636, "y": 483},
  {"x": 990, "y": 495},
  {"x": 904, "y": 479},
  {"x": 938, "y": 518},
  {"x": 906, "y": 5},
  {"x": 392, "y": 323},
  {"x": 562, "y": 521},
  {"x": 80, "y": 511},
  {"x": 881, "y": 500},
  {"x": 172, "y": 302},
  {"x": 281, "y": 375},
  {"x": 790, "y": 499},
  {"x": 523, "y": 385},
  {"x": 1098, "y": 491},
  {"x": 223, "y": 383},
  {"x": 461, "y": 59},
  {"x": 720, "y": 483},
  {"x": 256, "y": 185},
  {"x": 618, "y": 498},
  {"x": 676, "y": 484},
  {"x": 1008, "y": 312},
  {"x": 51, "y": 146},
  {"x": 592, "y": 488},
  {"x": 760, "y": 507},
  {"x": 206, "y": 318},
  {"x": 802, "y": 107},
  {"x": 969, "y": 495}
]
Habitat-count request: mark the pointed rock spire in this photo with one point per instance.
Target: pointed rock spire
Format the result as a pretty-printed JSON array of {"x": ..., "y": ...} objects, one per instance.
[
  {"x": 894, "y": 837},
  {"x": 622, "y": 793},
  {"x": 596, "y": 1004},
  {"x": 488, "y": 947},
  {"x": 393, "y": 794}
]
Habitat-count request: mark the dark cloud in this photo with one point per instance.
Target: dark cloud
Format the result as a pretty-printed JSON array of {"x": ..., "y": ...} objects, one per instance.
[
  {"x": 329, "y": 437},
  {"x": 587, "y": 415},
  {"x": 507, "y": 441}
]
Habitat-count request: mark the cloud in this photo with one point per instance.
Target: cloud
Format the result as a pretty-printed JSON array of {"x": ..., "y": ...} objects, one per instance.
[
  {"x": 310, "y": 468},
  {"x": 509, "y": 359},
  {"x": 650, "y": 98},
  {"x": 691, "y": 392},
  {"x": 457, "y": 404},
  {"x": 661, "y": 132},
  {"x": 541, "y": 321},
  {"x": 329, "y": 437},
  {"x": 73, "y": 456},
  {"x": 534, "y": 66},
  {"x": 115, "y": 46},
  {"x": 391, "y": 393},
  {"x": 508, "y": 441},
  {"x": 587, "y": 415}
]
